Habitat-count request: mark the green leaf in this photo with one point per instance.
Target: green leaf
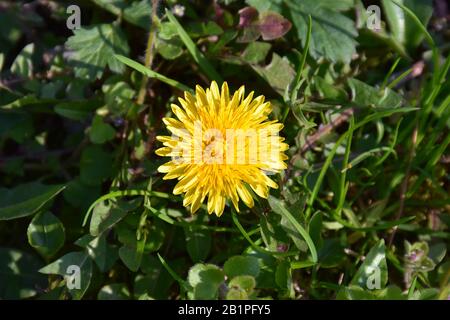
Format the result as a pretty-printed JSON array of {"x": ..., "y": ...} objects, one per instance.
[
  {"x": 264, "y": 5},
  {"x": 19, "y": 277},
  {"x": 283, "y": 276},
  {"x": 152, "y": 74},
  {"x": 202, "y": 29},
  {"x": 358, "y": 293},
  {"x": 131, "y": 252},
  {"x": 272, "y": 25},
  {"x": 331, "y": 253},
  {"x": 256, "y": 52},
  {"x": 198, "y": 243},
  {"x": 169, "y": 49},
  {"x": 365, "y": 95},
  {"x": 156, "y": 282},
  {"x": 426, "y": 294},
  {"x": 333, "y": 34},
  {"x": 198, "y": 57},
  {"x": 23, "y": 64},
  {"x": 118, "y": 96},
  {"x": 156, "y": 236},
  {"x": 315, "y": 228},
  {"x": 114, "y": 291},
  {"x": 278, "y": 73},
  {"x": 77, "y": 110},
  {"x": 101, "y": 132},
  {"x": 26, "y": 199},
  {"x": 46, "y": 234},
  {"x": 99, "y": 250},
  {"x": 106, "y": 215},
  {"x": 241, "y": 265},
  {"x": 267, "y": 267},
  {"x": 95, "y": 165},
  {"x": 402, "y": 26},
  {"x": 63, "y": 266},
  {"x": 136, "y": 12},
  {"x": 94, "y": 49},
  {"x": 372, "y": 274},
  {"x": 277, "y": 206},
  {"x": 437, "y": 252},
  {"x": 205, "y": 280},
  {"x": 241, "y": 287}
]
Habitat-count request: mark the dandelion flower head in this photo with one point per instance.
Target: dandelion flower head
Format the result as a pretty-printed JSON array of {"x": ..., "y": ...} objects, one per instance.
[{"x": 223, "y": 147}]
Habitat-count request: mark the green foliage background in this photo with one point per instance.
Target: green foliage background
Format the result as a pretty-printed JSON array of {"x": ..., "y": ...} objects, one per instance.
[{"x": 361, "y": 213}]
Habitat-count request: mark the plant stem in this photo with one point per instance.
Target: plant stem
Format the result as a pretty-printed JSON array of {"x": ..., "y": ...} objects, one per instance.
[{"x": 149, "y": 54}]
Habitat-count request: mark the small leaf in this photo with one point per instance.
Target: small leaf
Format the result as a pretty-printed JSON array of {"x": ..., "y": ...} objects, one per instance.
[
  {"x": 131, "y": 253},
  {"x": 273, "y": 25},
  {"x": 364, "y": 95},
  {"x": 198, "y": 243},
  {"x": 241, "y": 287},
  {"x": 26, "y": 199},
  {"x": 315, "y": 228},
  {"x": 205, "y": 280},
  {"x": 156, "y": 282},
  {"x": 247, "y": 16},
  {"x": 104, "y": 254},
  {"x": 372, "y": 274},
  {"x": 283, "y": 276},
  {"x": 101, "y": 132},
  {"x": 94, "y": 49},
  {"x": 256, "y": 52},
  {"x": 333, "y": 34},
  {"x": 437, "y": 252},
  {"x": 118, "y": 96},
  {"x": 278, "y": 73},
  {"x": 278, "y": 207},
  {"x": 23, "y": 64},
  {"x": 106, "y": 215},
  {"x": 137, "y": 13},
  {"x": 77, "y": 110},
  {"x": 241, "y": 265},
  {"x": 63, "y": 266},
  {"x": 169, "y": 49},
  {"x": 46, "y": 234}
]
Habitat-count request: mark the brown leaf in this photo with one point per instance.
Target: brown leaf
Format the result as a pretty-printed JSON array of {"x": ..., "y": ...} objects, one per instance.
[
  {"x": 246, "y": 16},
  {"x": 273, "y": 26}
]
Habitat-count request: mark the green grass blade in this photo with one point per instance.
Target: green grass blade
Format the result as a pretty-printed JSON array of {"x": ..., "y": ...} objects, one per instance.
[
  {"x": 122, "y": 193},
  {"x": 277, "y": 206},
  {"x": 416, "y": 21},
  {"x": 152, "y": 74},
  {"x": 174, "y": 275},
  {"x": 298, "y": 76},
  {"x": 199, "y": 58},
  {"x": 253, "y": 244}
]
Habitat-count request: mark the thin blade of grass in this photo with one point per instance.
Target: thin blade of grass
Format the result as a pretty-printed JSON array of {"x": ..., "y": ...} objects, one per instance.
[
  {"x": 198, "y": 57},
  {"x": 277, "y": 206},
  {"x": 253, "y": 244},
  {"x": 152, "y": 74},
  {"x": 174, "y": 275}
]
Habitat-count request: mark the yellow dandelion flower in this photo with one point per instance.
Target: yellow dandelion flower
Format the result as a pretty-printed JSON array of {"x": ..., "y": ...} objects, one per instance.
[{"x": 222, "y": 147}]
